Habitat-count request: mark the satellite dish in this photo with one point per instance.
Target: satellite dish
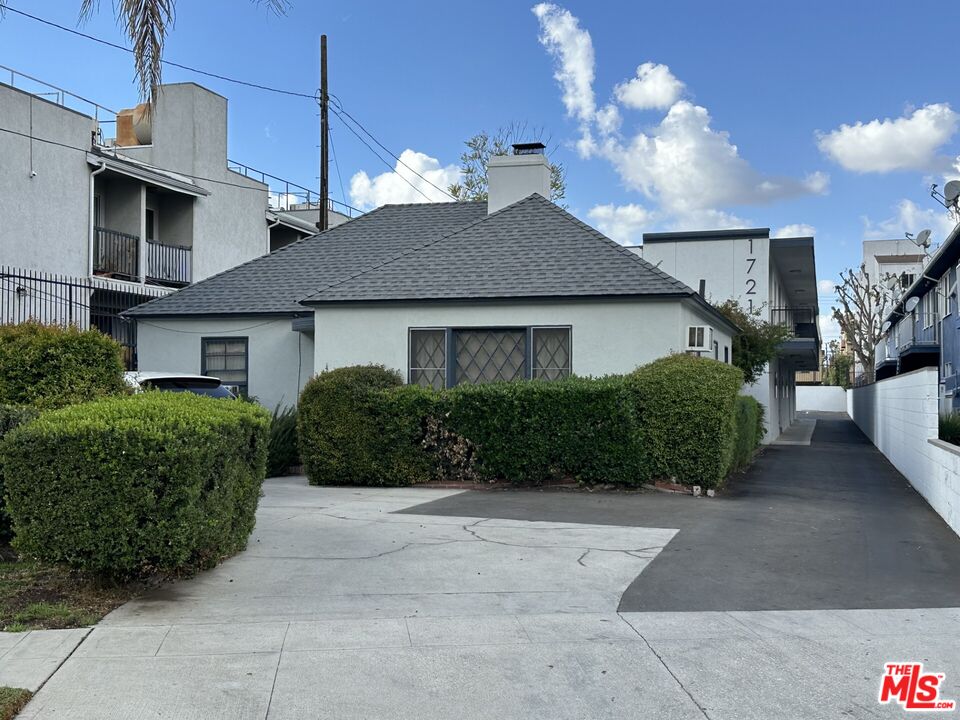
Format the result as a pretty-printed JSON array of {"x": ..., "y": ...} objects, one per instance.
[
  {"x": 892, "y": 281},
  {"x": 951, "y": 191},
  {"x": 885, "y": 327},
  {"x": 922, "y": 239},
  {"x": 911, "y": 304}
]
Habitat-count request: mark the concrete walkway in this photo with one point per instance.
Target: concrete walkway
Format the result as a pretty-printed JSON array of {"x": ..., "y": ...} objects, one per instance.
[
  {"x": 406, "y": 603},
  {"x": 27, "y": 659}
]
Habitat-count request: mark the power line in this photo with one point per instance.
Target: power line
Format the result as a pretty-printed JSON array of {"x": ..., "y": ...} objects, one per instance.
[
  {"x": 165, "y": 62},
  {"x": 385, "y": 149}
]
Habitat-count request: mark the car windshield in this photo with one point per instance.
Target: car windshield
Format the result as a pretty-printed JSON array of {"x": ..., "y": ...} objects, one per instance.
[{"x": 199, "y": 387}]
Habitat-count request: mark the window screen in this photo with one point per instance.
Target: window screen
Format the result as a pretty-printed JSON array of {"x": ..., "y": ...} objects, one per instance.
[
  {"x": 428, "y": 358},
  {"x": 484, "y": 356},
  {"x": 225, "y": 358},
  {"x": 551, "y": 353}
]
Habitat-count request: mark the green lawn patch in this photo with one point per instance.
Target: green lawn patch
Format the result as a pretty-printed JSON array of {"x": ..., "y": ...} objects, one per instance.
[
  {"x": 12, "y": 701},
  {"x": 35, "y": 596}
]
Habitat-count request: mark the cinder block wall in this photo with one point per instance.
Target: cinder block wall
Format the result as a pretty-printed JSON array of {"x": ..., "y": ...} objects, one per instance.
[{"x": 900, "y": 416}]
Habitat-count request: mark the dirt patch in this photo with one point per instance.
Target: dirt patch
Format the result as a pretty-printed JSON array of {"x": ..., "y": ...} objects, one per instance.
[{"x": 12, "y": 701}]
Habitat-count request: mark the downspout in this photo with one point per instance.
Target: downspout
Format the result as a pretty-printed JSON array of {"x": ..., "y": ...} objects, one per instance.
[
  {"x": 271, "y": 226},
  {"x": 103, "y": 166}
]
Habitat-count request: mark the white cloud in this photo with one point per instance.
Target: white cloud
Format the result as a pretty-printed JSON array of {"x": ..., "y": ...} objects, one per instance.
[
  {"x": 690, "y": 169},
  {"x": 829, "y": 327},
  {"x": 390, "y": 187},
  {"x": 572, "y": 48},
  {"x": 908, "y": 217},
  {"x": 654, "y": 87},
  {"x": 826, "y": 287},
  {"x": 795, "y": 230},
  {"x": 623, "y": 223},
  {"x": 906, "y": 143}
]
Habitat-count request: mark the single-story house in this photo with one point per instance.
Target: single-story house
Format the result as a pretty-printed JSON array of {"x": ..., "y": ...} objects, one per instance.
[{"x": 446, "y": 293}]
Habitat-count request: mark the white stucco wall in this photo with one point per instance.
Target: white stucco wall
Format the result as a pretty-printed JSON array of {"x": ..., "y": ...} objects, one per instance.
[
  {"x": 900, "y": 416},
  {"x": 280, "y": 360},
  {"x": 607, "y": 337},
  {"x": 822, "y": 398}
]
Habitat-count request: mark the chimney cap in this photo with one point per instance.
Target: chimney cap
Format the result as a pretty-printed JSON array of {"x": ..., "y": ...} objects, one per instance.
[{"x": 533, "y": 148}]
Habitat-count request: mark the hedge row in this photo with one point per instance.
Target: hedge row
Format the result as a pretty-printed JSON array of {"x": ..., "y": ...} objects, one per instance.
[
  {"x": 131, "y": 485},
  {"x": 11, "y": 416},
  {"x": 48, "y": 366},
  {"x": 678, "y": 418}
]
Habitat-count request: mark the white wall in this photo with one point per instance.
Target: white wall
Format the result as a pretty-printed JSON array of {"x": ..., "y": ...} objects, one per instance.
[
  {"x": 608, "y": 337},
  {"x": 280, "y": 360},
  {"x": 821, "y": 398},
  {"x": 900, "y": 416}
]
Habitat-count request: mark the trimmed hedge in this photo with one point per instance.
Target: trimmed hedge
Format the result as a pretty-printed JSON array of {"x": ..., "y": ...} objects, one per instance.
[
  {"x": 10, "y": 417},
  {"x": 132, "y": 485},
  {"x": 687, "y": 406},
  {"x": 677, "y": 418},
  {"x": 49, "y": 367},
  {"x": 748, "y": 420},
  {"x": 352, "y": 434}
]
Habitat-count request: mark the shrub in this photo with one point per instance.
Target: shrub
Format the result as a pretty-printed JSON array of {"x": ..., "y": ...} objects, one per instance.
[
  {"x": 532, "y": 432},
  {"x": 10, "y": 417},
  {"x": 749, "y": 430},
  {"x": 131, "y": 485},
  {"x": 50, "y": 367},
  {"x": 950, "y": 428},
  {"x": 351, "y": 433},
  {"x": 282, "y": 451},
  {"x": 686, "y": 410}
]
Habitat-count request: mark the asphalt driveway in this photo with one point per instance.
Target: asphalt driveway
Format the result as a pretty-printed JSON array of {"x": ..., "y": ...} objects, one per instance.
[{"x": 419, "y": 603}]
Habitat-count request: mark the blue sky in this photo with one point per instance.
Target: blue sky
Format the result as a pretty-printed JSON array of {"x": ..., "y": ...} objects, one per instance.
[{"x": 780, "y": 80}]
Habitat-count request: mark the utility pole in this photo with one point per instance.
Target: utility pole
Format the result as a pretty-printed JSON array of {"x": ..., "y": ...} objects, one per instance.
[{"x": 323, "y": 224}]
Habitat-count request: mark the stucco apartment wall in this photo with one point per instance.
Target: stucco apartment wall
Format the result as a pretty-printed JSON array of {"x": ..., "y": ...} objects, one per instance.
[
  {"x": 900, "y": 416},
  {"x": 607, "y": 336},
  {"x": 45, "y": 217},
  {"x": 280, "y": 360},
  {"x": 821, "y": 398}
]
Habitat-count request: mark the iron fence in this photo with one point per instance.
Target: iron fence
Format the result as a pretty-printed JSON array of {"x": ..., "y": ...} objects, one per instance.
[{"x": 84, "y": 303}]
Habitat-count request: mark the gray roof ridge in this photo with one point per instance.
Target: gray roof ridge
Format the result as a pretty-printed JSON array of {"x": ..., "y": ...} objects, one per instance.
[
  {"x": 682, "y": 287},
  {"x": 134, "y": 310},
  {"x": 423, "y": 246}
]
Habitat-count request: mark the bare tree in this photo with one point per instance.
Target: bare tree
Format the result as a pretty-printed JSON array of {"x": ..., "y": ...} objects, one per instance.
[{"x": 863, "y": 306}]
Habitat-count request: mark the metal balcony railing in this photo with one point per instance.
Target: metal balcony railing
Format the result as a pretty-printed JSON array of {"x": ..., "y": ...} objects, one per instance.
[
  {"x": 116, "y": 254},
  {"x": 168, "y": 264},
  {"x": 802, "y": 321},
  {"x": 919, "y": 330}
]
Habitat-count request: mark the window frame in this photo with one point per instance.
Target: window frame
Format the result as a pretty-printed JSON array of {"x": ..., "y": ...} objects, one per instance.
[
  {"x": 450, "y": 366},
  {"x": 707, "y": 345},
  {"x": 245, "y": 387}
]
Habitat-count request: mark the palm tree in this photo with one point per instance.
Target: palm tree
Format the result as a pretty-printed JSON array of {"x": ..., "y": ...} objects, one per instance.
[{"x": 146, "y": 24}]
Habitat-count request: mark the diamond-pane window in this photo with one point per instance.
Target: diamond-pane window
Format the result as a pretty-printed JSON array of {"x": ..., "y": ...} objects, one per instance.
[
  {"x": 428, "y": 358},
  {"x": 484, "y": 356},
  {"x": 551, "y": 353}
]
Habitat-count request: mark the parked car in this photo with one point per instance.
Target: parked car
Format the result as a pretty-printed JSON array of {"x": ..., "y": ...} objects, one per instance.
[{"x": 179, "y": 382}]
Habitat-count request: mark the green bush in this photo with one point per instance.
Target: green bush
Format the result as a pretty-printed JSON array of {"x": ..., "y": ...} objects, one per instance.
[
  {"x": 950, "y": 428},
  {"x": 10, "y": 417},
  {"x": 131, "y": 485},
  {"x": 532, "y": 432},
  {"x": 351, "y": 433},
  {"x": 282, "y": 450},
  {"x": 749, "y": 431},
  {"x": 50, "y": 367},
  {"x": 686, "y": 405}
]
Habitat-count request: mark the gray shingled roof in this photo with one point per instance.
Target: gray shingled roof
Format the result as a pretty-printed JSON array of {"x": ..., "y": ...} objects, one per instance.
[
  {"x": 275, "y": 283},
  {"x": 529, "y": 249}
]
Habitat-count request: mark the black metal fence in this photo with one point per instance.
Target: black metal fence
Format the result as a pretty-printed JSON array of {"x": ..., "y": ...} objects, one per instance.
[
  {"x": 168, "y": 264},
  {"x": 82, "y": 302}
]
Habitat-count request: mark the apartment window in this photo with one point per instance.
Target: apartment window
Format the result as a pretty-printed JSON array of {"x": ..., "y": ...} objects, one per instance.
[
  {"x": 906, "y": 280},
  {"x": 428, "y": 358},
  {"x": 227, "y": 359},
  {"x": 699, "y": 337},
  {"x": 931, "y": 305},
  {"x": 151, "y": 222},
  {"x": 726, "y": 354},
  {"x": 716, "y": 350},
  {"x": 443, "y": 357},
  {"x": 97, "y": 211},
  {"x": 946, "y": 288}
]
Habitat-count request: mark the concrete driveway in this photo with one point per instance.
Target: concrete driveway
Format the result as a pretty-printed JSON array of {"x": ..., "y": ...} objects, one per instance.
[{"x": 369, "y": 603}]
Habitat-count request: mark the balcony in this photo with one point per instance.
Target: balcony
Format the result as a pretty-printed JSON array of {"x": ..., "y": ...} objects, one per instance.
[
  {"x": 116, "y": 254},
  {"x": 168, "y": 264},
  {"x": 919, "y": 334},
  {"x": 802, "y": 321}
]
